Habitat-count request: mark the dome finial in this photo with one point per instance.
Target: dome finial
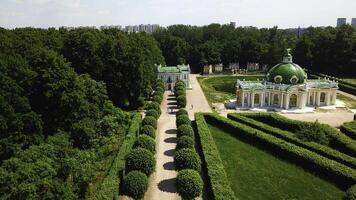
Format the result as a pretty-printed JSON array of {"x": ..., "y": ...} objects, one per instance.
[{"x": 288, "y": 57}]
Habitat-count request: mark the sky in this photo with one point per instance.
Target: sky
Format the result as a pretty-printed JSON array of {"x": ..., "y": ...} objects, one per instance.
[{"x": 259, "y": 13}]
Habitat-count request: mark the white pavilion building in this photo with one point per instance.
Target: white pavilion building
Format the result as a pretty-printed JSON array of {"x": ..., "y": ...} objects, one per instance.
[{"x": 286, "y": 87}]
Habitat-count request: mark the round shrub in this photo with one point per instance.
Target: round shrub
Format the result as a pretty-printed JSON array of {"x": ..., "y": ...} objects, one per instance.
[
  {"x": 159, "y": 89},
  {"x": 140, "y": 159},
  {"x": 185, "y": 142},
  {"x": 181, "y": 111},
  {"x": 179, "y": 87},
  {"x": 149, "y": 120},
  {"x": 181, "y": 101},
  {"x": 185, "y": 130},
  {"x": 135, "y": 184},
  {"x": 146, "y": 142},
  {"x": 189, "y": 184},
  {"x": 157, "y": 98},
  {"x": 160, "y": 83},
  {"x": 155, "y": 106},
  {"x": 152, "y": 113},
  {"x": 148, "y": 130},
  {"x": 180, "y": 93},
  {"x": 351, "y": 193},
  {"x": 182, "y": 119},
  {"x": 187, "y": 159},
  {"x": 180, "y": 83}
]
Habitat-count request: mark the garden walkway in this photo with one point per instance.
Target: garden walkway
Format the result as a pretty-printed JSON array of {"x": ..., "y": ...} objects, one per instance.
[{"x": 162, "y": 181}]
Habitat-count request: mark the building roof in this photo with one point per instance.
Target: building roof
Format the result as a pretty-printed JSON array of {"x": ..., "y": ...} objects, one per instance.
[
  {"x": 286, "y": 72},
  {"x": 173, "y": 69}
]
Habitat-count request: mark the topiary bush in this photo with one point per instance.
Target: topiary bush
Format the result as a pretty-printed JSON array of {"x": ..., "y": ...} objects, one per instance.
[
  {"x": 149, "y": 120},
  {"x": 179, "y": 87},
  {"x": 185, "y": 142},
  {"x": 148, "y": 130},
  {"x": 187, "y": 159},
  {"x": 146, "y": 142},
  {"x": 182, "y": 119},
  {"x": 180, "y": 93},
  {"x": 189, "y": 184},
  {"x": 181, "y": 111},
  {"x": 351, "y": 193},
  {"x": 135, "y": 184},
  {"x": 181, "y": 101},
  {"x": 140, "y": 159},
  {"x": 152, "y": 113},
  {"x": 312, "y": 132},
  {"x": 159, "y": 89},
  {"x": 179, "y": 83},
  {"x": 185, "y": 130},
  {"x": 155, "y": 106}
]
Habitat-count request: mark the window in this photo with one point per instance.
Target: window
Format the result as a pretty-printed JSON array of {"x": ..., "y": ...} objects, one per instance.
[
  {"x": 293, "y": 100},
  {"x": 294, "y": 80},
  {"x": 257, "y": 99},
  {"x": 278, "y": 79},
  {"x": 275, "y": 99},
  {"x": 322, "y": 97}
]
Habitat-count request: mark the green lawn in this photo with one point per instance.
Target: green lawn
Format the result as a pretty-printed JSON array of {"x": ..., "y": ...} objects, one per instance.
[
  {"x": 350, "y": 103},
  {"x": 257, "y": 175},
  {"x": 350, "y": 80},
  {"x": 221, "y": 88}
]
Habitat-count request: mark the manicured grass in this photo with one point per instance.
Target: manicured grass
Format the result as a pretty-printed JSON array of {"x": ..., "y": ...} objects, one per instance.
[
  {"x": 350, "y": 80},
  {"x": 218, "y": 89},
  {"x": 350, "y": 103},
  {"x": 256, "y": 174}
]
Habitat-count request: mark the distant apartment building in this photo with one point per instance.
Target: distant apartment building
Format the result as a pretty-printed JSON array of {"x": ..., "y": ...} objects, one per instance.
[
  {"x": 353, "y": 22},
  {"x": 148, "y": 28},
  {"x": 111, "y": 27},
  {"x": 340, "y": 22}
]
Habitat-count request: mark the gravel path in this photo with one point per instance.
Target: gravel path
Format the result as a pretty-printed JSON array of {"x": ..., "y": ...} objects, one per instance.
[
  {"x": 347, "y": 94},
  {"x": 162, "y": 181}
]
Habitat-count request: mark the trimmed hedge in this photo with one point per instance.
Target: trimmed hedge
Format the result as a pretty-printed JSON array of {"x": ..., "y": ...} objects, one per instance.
[
  {"x": 148, "y": 130},
  {"x": 140, "y": 159},
  {"x": 349, "y": 129},
  {"x": 351, "y": 193},
  {"x": 146, "y": 142},
  {"x": 180, "y": 93},
  {"x": 334, "y": 171},
  {"x": 149, "y": 120},
  {"x": 185, "y": 142},
  {"x": 338, "y": 140},
  {"x": 157, "y": 98},
  {"x": 189, "y": 184},
  {"x": 152, "y": 113},
  {"x": 109, "y": 188},
  {"x": 155, "y": 106},
  {"x": 290, "y": 137},
  {"x": 187, "y": 159},
  {"x": 181, "y": 101},
  {"x": 185, "y": 130},
  {"x": 181, "y": 111},
  {"x": 216, "y": 175},
  {"x": 135, "y": 184},
  {"x": 182, "y": 119}
]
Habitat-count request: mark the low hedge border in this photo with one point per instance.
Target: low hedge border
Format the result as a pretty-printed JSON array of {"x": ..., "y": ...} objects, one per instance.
[
  {"x": 216, "y": 175},
  {"x": 109, "y": 188},
  {"x": 289, "y": 137},
  {"x": 338, "y": 141},
  {"x": 349, "y": 129},
  {"x": 330, "y": 169}
]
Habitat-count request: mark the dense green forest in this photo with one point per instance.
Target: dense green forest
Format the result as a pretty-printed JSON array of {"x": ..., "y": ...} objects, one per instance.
[
  {"x": 322, "y": 49},
  {"x": 62, "y": 91}
]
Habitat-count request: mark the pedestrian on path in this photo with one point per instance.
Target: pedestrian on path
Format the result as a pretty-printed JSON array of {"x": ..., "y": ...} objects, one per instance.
[{"x": 191, "y": 107}]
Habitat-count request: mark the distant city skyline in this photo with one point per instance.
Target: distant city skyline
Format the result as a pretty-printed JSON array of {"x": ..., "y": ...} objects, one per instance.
[{"x": 281, "y": 13}]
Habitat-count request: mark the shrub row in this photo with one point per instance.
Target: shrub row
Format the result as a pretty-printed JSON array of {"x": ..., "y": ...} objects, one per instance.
[
  {"x": 217, "y": 178},
  {"x": 179, "y": 89},
  {"x": 336, "y": 172},
  {"x": 186, "y": 160},
  {"x": 338, "y": 141},
  {"x": 140, "y": 162},
  {"x": 349, "y": 129},
  {"x": 290, "y": 137},
  {"x": 108, "y": 189}
]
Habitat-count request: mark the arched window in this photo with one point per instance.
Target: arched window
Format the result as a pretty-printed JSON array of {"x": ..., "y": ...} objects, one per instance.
[
  {"x": 322, "y": 97},
  {"x": 275, "y": 99},
  {"x": 293, "y": 100},
  {"x": 257, "y": 99}
]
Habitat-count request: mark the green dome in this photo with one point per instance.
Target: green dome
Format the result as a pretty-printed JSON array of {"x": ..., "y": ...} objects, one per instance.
[{"x": 286, "y": 73}]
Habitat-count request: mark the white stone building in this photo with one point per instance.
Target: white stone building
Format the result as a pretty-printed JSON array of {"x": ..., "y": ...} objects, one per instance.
[{"x": 171, "y": 74}]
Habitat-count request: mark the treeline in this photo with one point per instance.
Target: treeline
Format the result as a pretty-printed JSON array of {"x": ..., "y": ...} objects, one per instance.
[
  {"x": 327, "y": 50},
  {"x": 59, "y": 125}
]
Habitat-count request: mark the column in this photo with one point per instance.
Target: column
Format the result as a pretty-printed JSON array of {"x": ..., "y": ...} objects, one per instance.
[
  {"x": 287, "y": 101},
  {"x": 333, "y": 100},
  {"x": 248, "y": 99},
  {"x": 252, "y": 100},
  {"x": 314, "y": 98},
  {"x": 281, "y": 99},
  {"x": 308, "y": 98},
  {"x": 262, "y": 99},
  {"x": 269, "y": 98},
  {"x": 243, "y": 99},
  {"x": 328, "y": 98},
  {"x": 318, "y": 99}
]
